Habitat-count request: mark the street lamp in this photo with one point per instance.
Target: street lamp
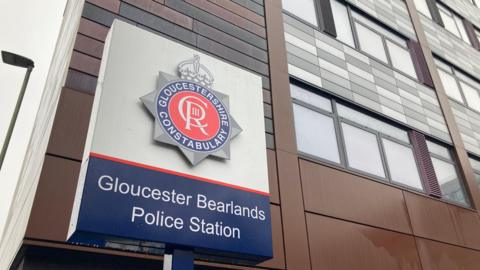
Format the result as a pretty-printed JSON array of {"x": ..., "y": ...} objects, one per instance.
[{"x": 19, "y": 61}]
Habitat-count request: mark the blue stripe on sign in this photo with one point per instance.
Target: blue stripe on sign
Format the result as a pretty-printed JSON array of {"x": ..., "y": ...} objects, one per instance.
[{"x": 124, "y": 201}]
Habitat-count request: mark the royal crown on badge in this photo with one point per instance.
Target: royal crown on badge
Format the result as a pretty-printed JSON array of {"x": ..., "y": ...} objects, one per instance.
[{"x": 194, "y": 71}]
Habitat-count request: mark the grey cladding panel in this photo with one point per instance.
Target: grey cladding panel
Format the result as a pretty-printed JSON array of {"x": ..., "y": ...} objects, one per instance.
[
  {"x": 354, "y": 76},
  {"x": 393, "y": 13},
  {"x": 465, "y": 9},
  {"x": 468, "y": 124},
  {"x": 451, "y": 48}
]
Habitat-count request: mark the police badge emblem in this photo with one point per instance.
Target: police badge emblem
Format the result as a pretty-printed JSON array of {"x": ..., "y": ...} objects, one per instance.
[{"x": 190, "y": 115}]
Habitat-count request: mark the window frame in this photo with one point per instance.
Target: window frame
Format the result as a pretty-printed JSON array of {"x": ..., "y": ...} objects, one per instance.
[
  {"x": 342, "y": 166},
  {"x": 335, "y": 126},
  {"x": 452, "y": 161},
  {"x": 290, "y": 14},
  {"x": 476, "y": 172},
  {"x": 453, "y": 71},
  {"x": 356, "y": 40},
  {"x": 429, "y": 15},
  {"x": 444, "y": 8},
  {"x": 356, "y": 43},
  {"x": 477, "y": 33},
  {"x": 317, "y": 17},
  {"x": 337, "y": 121}
]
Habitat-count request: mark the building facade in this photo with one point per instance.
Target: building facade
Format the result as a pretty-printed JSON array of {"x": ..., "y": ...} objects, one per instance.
[{"x": 372, "y": 128}]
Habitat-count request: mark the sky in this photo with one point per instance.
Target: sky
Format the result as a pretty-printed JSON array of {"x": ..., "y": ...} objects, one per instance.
[{"x": 29, "y": 28}]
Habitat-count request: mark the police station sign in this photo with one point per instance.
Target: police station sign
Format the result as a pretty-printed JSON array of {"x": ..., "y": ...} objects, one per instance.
[{"x": 175, "y": 153}]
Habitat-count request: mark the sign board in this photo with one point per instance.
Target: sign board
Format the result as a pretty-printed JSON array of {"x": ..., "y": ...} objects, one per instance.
[{"x": 175, "y": 153}]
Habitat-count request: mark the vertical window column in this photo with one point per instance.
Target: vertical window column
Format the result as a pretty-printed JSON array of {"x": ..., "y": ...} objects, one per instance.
[
  {"x": 316, "y": 12},
  {"x": 473, "y": 34},
  {"x": 425, "y": 164},
  {"x": 453, "y": 23},
  {"x": 451, "y": 185},
  {"x": 303, "y": 9},
  {"x": 420, "y": 63},
  {"x": 325, "y": 15},
  {"x": 436, "y": 17}
]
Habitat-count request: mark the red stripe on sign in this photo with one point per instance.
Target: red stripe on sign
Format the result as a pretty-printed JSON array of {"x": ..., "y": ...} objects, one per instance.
[{"x": 192, "y": 177}]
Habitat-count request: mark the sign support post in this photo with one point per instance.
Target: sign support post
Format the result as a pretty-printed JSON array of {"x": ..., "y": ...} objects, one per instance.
[{"x": 180, "y": 259}]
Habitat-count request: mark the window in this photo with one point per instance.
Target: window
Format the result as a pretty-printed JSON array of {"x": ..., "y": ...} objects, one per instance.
[
  {"x": 304, "y": 9},
  {"x": 476, "y": 169},
  {"x": 340, "y": 135},
  {"x": 471, "y": 96},
  {"x": 453, "y": 23},
  {"x": 319, "y": 144},
  {"x": 404, "y": 172},
  {"x": 357, "y": 143},
  {"x": 450, "y": 84},
  {"x": 358, "y": 31},
  {"x": 422, "y": 6},
  {"x": 477, "y": 33},
  {"x": 342, "y": 23},
  {"x": 459, "y": 86},
  {"x": 371, "y": 42},
  {"x": 447, "y": 176},
  {"x": 315, "y": 114},
  {"x": 401, "y": 58}
]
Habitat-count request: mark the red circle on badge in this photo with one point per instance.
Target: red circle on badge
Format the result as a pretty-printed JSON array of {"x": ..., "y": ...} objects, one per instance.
[{"x": 194, "y": 116}]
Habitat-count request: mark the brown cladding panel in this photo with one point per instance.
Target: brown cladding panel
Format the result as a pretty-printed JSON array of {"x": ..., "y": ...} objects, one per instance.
[
  {"x": 81, "y": 81},
  {"x": 53, "y": 202},
  {"x": 278, "y": 261},
  {"x": 85, "y": 63},
  {"x": 339, "y": 194},
  {"x": 92, "y": 29},
  {"x": 163, "y": 12},
  {"x": 228, "y": 16},
  {"x": 217, "y": 22},
  {"x": 293, "y": 216},
  {"x": 71, "y": 124},
  {"x": 273, "y": 177},
  {"x": 282, "y": 108},
  {"x": 111, "y": 5},
  {"x": 430, "y": 218},
  {"x": 88, "y": 46},
  {"x": 440, "y": 256},
  {"x": 240, "y": 10},
  {"x": 341, "y": 245},
  {"x": 230, "y": 41},
  {"x": 467, "y": 225}
]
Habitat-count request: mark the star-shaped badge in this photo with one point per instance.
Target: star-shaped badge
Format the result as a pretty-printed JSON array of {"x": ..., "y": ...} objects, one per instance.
[{"x": 190, "y": 115}]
